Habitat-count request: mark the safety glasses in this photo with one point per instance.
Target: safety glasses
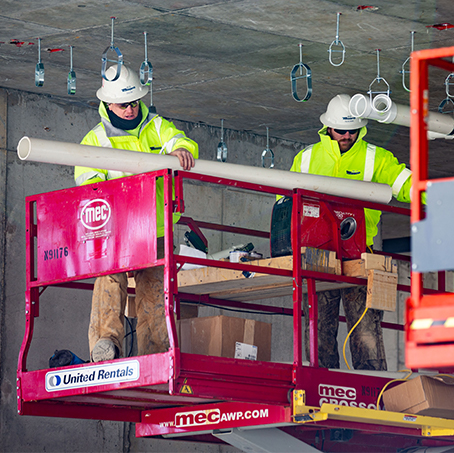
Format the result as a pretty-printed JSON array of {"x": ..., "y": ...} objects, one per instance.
[
  {"x": 133, "y": 105},
  {"x": 342, "y": 132}
]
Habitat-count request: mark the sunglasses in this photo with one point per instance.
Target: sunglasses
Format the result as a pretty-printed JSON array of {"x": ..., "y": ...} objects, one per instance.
[
  {"x": 133, "y": 105},
  {"x": 342, "y": 132}
]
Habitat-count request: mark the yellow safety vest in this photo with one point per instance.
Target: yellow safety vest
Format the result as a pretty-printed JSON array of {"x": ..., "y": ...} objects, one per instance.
[{"x": 154, "y": 135}]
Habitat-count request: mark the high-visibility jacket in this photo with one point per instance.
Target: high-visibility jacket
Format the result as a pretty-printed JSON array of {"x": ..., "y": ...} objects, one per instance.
[
  {"x": 364, "y": 162},
  {"x": 154, "y": 134}
]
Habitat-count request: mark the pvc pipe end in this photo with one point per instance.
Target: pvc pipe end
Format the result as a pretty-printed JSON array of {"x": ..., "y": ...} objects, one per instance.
[
  {"x": 358, "y": 106},
  {"x": 24, "y": 148},
  {"x": 382, "y": 103}
]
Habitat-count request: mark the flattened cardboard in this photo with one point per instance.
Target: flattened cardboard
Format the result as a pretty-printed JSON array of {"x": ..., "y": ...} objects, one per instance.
[
  {"x": 423, "y": 395},
  {"x": 218, "y": 335}
]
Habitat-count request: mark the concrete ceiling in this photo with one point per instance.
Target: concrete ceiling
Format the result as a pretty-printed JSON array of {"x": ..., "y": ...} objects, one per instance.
[{"x": 231, "y": 59}]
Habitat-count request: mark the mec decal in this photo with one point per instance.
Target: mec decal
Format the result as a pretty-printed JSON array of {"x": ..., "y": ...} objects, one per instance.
[{"x": 95, "y": 214}]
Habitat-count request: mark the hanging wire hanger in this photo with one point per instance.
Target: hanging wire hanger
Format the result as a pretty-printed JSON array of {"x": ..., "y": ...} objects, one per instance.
[
  {"x": 447, "y": 104},
  {"x": 378, "y": 80},
  {"x": 337, "y": 42},
  {"x": 39, "y": 69},
  {"x": 267, "y": 151},
  {"x": 307, "y": 75},
  {"x": 146, "y": 74},
  {"x": 407, "y": 61},
  {"x": 71, "y": 74},
  {"x": 221, "y": 155},
  {"x": 104, "y": 58}
]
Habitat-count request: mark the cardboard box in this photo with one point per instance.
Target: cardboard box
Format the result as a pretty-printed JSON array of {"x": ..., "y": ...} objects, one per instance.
[
  {"x": 218, "y": 335},
  {"x": 423, "y": 395}
]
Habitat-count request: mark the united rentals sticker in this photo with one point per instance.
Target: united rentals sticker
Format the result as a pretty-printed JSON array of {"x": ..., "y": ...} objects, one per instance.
[{"x": 92, "y": 375}]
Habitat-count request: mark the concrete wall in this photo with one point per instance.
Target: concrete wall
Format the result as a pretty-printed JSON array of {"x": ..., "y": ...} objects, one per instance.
[{"x": 64, "y": 314}]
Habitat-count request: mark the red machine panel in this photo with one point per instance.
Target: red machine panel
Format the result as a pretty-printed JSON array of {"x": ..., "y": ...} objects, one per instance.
[
  {"x": 324, "y": 225},
  {"x": 84, "y": 237}
]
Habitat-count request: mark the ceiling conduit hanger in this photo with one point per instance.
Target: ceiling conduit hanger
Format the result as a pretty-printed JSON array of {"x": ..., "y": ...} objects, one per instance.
[
  {"x": 378, "y": 80},
  {"x": 221, "y": 155},
  {"x": 447, "y": 104},
  {"x": 337, "y": 42},
  {"x": 146, "y": 74},
  {"x": 267, "y": 151},
  {"x": 104, "y": 58},
  {"x": 39, "y": 69},
  {"x": 307, "y": 75},
  {"x": 407, "y": 61},
  {"x": 71, "y": 74}
]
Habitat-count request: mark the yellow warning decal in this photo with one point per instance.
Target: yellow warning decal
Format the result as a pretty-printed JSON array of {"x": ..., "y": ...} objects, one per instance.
[{"x": 185, "y": 388}]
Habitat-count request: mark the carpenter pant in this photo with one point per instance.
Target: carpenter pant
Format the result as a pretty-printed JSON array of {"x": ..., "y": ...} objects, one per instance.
[
  {"x": 366, "y": 341},
  {"x": 108, "y": 307}
]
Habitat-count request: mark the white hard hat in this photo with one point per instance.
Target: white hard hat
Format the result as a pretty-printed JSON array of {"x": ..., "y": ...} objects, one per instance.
[
  {"x": 126, "y": 88},
  {"x": 338, "y": 114}
]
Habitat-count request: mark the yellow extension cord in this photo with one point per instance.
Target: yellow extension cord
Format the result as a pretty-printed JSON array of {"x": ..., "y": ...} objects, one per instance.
[
  {"x": 349, "y": 333},
  {"x": 357, "y": 322}
]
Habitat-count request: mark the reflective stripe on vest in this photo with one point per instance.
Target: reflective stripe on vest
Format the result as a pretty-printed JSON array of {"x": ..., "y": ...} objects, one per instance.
[
  {"x": 400, "y": 181},
  {"x": 167, "y": 147},
  {"x": 306, "y": 159},
  {"x": 101, "y": 135},
  {"x": 104, "y": 141},
  {"x": 88, "y": 175},
  {"x": 369, "y": 165}
]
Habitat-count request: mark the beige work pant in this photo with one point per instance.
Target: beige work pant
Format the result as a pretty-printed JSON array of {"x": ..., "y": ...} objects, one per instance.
[{"x": 108, "y": 308}]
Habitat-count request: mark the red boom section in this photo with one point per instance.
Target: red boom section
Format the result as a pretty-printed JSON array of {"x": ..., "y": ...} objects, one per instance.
[{"x": 429, "y": 318}]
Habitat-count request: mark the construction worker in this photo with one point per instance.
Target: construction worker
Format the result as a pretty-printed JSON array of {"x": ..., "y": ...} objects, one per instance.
[
  {"x": 343, "y": 153},
  {"x": 127, "y": 124}
]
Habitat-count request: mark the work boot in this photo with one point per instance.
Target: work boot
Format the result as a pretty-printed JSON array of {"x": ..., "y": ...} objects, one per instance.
[{"x": 104, "y": 350}]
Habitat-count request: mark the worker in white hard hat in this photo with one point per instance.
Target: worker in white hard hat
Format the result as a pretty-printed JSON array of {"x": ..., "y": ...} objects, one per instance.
[
  {"x": 343, "y": 153},
  {"x": 126, "y": 123}
]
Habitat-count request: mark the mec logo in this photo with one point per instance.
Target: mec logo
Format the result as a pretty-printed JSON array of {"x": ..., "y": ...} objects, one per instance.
[
  {"x": 334, "y": 391},
  {"x": 195, "y": 418},
  {"x": 95, "y": 214}
]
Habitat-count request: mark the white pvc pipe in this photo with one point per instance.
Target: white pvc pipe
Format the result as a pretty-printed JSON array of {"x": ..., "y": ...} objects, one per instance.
[
  {"x": 384, "y": 110},
  {"x": 53, "y": 152}
]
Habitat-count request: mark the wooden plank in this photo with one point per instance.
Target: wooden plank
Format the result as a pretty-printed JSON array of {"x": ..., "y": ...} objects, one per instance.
[
  {"x": 368, "y": 261},
  {"x": 225, "y": 280},
  {"x": 381, "y": 290},
  {"x": 251, "y": 294},
  {"x": 219, "y": 279},
  {"x": 320, "y": 260},
  {"x": 233, "y": 285}
]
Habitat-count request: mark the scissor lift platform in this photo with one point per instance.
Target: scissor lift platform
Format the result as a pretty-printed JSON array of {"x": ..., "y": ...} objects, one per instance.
[{"x": 76, "y": 234}]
